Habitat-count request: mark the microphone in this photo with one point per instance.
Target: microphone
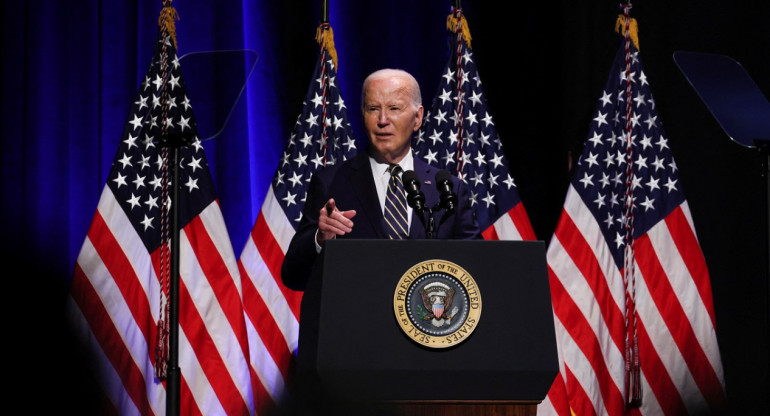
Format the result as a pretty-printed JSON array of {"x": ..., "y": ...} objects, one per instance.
[
  {"x": 414, "y": 197},
  {"x": 448, "y": 199}
]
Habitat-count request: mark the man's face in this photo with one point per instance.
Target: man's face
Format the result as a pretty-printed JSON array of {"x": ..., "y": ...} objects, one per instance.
[{"x": 390, "y": 117}]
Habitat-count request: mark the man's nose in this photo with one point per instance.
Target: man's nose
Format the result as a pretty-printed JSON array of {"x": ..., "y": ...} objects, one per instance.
[{"x": 382, "y": 117}]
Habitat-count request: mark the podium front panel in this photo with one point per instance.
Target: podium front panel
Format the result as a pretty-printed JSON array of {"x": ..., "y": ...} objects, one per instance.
[{"x": 362, "y": 351}]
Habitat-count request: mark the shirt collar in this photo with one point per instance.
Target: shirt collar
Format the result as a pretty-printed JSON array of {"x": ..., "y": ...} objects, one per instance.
[{"x": 379, "y": 169}]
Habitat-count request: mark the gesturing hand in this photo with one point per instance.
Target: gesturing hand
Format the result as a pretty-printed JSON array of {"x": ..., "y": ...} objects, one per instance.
[{"x": 333, "y": 222}]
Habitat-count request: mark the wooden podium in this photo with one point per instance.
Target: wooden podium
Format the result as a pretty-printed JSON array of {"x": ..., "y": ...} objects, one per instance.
[
  {"x": 465, "y": 408},
  {"x": 354, "y": 349}
]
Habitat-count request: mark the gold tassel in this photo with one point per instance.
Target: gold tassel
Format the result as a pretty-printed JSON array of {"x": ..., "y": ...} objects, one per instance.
[
  {"x": 451, "y": 25},
  {"x": 620, "y": 26},
  {"x": 328, "y": 41},
  {"x": 167, "y": 17}
]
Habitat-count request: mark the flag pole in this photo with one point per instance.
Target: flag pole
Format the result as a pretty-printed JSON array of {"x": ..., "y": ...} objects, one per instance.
[
  {"x": 325, "y": 11},
  {"x": 764, "y": 148},
  {"x": 174, "y": 374},
  {"x": 173, "y": 142}
]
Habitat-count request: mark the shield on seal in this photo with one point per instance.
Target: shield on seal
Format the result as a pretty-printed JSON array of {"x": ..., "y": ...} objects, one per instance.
[{"x": 438, "y": 310}]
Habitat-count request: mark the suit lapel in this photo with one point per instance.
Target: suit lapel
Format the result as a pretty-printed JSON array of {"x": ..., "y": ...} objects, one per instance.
[{"x": 363, "y": 186}]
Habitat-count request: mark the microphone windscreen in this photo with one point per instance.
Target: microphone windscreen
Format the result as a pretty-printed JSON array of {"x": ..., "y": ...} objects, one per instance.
[
  {"x": 409, "y": 176},
  {"x": 443, "y": 176},
  {"x": 414, "y": 197}
]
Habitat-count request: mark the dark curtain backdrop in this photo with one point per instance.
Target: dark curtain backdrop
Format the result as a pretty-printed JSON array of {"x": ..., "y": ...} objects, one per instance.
[{"x": 70, "y": 70}]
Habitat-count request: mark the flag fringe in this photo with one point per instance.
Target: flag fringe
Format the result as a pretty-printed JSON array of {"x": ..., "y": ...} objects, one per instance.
[
  {"x": 167, "y": 17},
  {"x": 451, "y": 25},
  {"x": 632, "y": 29},
  {"x": 326, "y": 40}
]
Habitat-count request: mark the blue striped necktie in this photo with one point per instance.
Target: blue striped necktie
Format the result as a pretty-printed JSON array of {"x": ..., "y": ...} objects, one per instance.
[{"x": 396, "y": 223}]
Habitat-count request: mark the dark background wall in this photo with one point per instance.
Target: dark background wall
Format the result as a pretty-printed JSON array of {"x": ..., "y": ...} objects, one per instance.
[{"x": 70, "y": 71}]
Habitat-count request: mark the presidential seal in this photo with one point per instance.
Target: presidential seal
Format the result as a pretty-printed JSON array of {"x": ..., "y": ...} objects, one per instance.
[{"x": 437, "y": 304}]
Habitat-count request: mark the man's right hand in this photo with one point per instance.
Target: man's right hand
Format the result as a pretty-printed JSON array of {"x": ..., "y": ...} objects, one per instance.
[{"x": 333, "y": 222}]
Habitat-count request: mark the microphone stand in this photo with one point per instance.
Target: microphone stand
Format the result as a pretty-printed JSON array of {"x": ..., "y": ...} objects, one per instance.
[
  {"x": 430, "y": 230},
  {"x": 447, "y": 197},
  {"x": 430, "y": 227},
  {"x": 416, "y": 200},
  {"x": 446, "y": 215}
]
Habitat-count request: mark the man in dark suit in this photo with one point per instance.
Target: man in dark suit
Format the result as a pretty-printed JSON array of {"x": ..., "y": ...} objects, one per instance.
[
  {"x": 352, "y": 200},
  {"x": 348, "y": 200}
]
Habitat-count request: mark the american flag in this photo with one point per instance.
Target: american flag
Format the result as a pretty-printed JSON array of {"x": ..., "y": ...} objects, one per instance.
[
  {"x": 117, "y": 288},
  {"x": 322, "y": 136},
  {"x": 458, "y": 135},
  {"x": 620, "y": 274}
]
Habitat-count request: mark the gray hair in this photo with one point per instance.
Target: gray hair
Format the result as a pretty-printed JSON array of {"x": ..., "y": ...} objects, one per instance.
[{"x": 414, "y": 87}]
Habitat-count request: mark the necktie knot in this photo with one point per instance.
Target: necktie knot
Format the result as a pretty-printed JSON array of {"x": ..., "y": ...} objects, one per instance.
[{"x": 394, "y": 169}]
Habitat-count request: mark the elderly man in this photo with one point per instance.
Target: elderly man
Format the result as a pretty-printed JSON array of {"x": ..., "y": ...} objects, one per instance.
[{"x": 352, "y": 199}]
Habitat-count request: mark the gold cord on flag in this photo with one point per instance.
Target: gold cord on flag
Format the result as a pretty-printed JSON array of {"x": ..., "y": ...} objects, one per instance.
[
  {"x": 632, "y": 363},
  {"x": 167, "y": 18},
  {"x": 452, "y": 26},
  {"x": 324, "y": 35},
  {"x": 633, "y": 30},
  {"x": 457, "y": 24},
  {"x": 166, "y": 23}
]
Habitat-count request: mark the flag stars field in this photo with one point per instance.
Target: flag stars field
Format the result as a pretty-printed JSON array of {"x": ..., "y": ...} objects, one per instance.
[{"x": 462, "y": 139}]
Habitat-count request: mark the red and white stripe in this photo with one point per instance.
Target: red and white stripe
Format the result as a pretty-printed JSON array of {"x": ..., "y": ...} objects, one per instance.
[
  {"x": 115, "y": 301},
  {"x": 272, "y": 310},
  {"x": 680, "y": 361},
  {"x": 513, "y": 225}
]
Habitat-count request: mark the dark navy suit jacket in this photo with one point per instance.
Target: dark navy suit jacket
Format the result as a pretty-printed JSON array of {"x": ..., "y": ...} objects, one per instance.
[{"x": 351, "y": 184}]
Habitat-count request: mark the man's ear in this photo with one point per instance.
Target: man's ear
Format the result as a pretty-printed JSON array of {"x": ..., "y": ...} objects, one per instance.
[{"x": 418, "y": 118}]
